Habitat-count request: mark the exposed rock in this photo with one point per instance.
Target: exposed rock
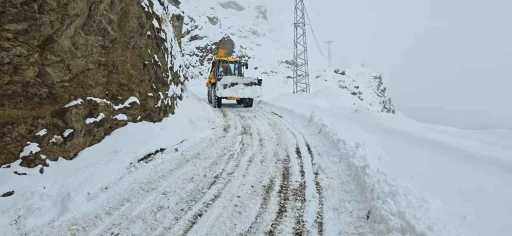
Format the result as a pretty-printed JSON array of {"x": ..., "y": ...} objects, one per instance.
[
  {"x": 206, "y": 53},
  {"x": 177, "y": 25},
  {"x": 262, "y": 12},
  {"x": 175, "y": 3},
  {"x": 8, "y": 194},
  {"x": 232, "y": 5},
  {"x": 367, "y": 86},
  {"x": 227, "y": 44},
  {"x": 387, "y": 105},
  {"x": 53, "y": 52},
  {"x": 213, "y": 20}
]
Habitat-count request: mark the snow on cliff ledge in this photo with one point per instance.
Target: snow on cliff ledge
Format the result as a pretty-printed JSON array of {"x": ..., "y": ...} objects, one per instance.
[{"x": 363, "y": 88}]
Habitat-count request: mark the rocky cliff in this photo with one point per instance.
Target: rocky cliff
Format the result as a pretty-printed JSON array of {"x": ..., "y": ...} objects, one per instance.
[{"x": 73, "y": 71}]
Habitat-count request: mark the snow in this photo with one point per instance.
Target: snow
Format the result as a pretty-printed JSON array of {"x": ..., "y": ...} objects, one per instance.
[
  {"x": 121, "y": 117},
  {"x": 156, "y": 24},
  {"x": 31, "y": 148},
  {"x": 407, "y": 177},
  {"x": 92, "y": 120},
  {"x": 99, "y": 100},
  {"x": 65, "y": 188},
  {"x": 127, "y": 103},
  {"x": 68, "y": 132},
  {"x": 439, "y": 179},
  {"x": 239, "y": 90},
  {"x": 55, "y": 138},
  {"x": 74, "y": 102},
  {"x": 156, "y": 59},
  {"x": 42, "y": 133}
]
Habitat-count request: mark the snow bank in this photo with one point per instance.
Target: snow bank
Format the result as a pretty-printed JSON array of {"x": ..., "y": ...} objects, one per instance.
[
  {"x": 64, "y": 189},
  {"x": 420, "y": 179}
]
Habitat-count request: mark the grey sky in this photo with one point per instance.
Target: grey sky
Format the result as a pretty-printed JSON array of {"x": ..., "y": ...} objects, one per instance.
[{"x": 451, "y": 58}]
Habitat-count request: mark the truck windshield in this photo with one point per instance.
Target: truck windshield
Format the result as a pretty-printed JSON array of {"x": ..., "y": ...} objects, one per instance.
[{"x": 230, "y": 68}]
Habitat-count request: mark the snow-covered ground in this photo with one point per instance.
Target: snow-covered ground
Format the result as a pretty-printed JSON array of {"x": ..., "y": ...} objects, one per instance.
[
  {"x": 66, "y": 187},
  {"x": 460, "y": 178},
  {"x": 329, "y": 159}
]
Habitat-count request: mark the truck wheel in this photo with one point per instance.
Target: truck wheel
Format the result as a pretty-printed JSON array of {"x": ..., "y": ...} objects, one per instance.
[
  {"x": 239, "y": 102},
  {"x": 249, "y": 102},
  {"x": 213, "y": 97},
  {"x": 217, "y": 102},
  {"x": 210, "y": 94}
]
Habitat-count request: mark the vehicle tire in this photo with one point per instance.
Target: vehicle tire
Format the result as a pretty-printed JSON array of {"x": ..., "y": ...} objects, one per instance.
[
  {"x": 210, "y": 94},
  {"x": 217, "y": 102},
  {"x": 239, "y": 102},
  {"x": 249, "y": 102},
  {"x": 213, "y": 97}
]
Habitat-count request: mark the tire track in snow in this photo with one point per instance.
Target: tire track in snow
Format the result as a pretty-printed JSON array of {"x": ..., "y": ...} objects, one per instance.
[
  {"x": 236, "y": 209},
  {"x": 284, "y": 197},
  {"x": 153, "y": 197},
  {"x": 297, "y": 195},
  {"x": 300, "y": 227},
  {"x": 244, "y": 157},
  {"x": 319, "y": 221},
  {"x": 267, "y": 189},
  {"x": 197, "y": 199},
  {"x": 244, "y": 180},
  {"x": 300, "y": 195}
]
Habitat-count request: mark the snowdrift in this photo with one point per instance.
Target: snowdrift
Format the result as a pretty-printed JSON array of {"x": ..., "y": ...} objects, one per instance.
[{"x": 420, "y": 179}]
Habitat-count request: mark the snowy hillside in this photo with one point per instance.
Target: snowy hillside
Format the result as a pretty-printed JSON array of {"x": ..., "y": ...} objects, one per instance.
[
  {"x": 332, "y": 162},
  {"x": 242, "y": 29}
]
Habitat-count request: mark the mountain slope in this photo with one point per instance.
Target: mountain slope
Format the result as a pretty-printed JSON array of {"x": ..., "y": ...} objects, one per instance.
[{"x": 326, "y": 163}]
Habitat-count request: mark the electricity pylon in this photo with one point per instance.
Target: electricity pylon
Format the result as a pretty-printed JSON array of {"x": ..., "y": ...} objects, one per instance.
[
  {"x": 301, "y": 67},
  {"x": 329, "y": 55}
]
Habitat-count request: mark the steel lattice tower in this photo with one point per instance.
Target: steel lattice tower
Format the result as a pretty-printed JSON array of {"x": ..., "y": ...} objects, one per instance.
[
  {"x": 329, "y": 56},
  {"x": 301, "y": 68}
]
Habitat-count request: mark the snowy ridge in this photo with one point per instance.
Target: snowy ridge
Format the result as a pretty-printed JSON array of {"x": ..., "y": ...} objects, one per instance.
[{"x": 364, "y": 85}]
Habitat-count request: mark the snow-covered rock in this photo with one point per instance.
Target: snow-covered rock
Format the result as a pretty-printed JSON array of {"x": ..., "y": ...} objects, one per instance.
[{"x": 364, "y": 84}]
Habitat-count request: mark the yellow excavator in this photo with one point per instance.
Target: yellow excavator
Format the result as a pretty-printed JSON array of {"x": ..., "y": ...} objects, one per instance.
[{"x": 227, "y": 81}]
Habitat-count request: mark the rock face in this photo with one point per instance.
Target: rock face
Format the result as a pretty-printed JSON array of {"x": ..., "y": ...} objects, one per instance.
[
  {"x": 232, "y": 5},
  {"x": 108, "y": 56},
  {"x": 367, "y": 86}
]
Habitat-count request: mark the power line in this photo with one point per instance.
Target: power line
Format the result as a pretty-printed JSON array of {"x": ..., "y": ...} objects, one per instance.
[{"x": 311, "y": 27}]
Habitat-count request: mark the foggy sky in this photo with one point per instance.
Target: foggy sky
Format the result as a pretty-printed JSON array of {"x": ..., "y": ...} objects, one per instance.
[{"x": 451, "y": 58}]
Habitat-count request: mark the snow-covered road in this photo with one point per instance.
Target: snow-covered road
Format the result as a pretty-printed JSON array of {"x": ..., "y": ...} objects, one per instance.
[{"x": 255, "y": 173}]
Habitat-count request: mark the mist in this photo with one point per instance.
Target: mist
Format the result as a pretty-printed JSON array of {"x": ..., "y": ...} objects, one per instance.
[{"x": 444, "y": 62}]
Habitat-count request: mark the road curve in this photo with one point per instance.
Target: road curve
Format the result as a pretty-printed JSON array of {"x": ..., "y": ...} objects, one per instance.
[{"x": 255, "y": 173}]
